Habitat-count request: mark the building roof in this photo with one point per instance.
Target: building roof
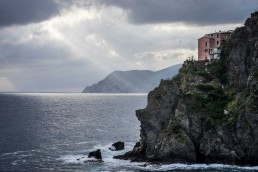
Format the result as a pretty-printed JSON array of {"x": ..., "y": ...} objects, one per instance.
[{"x": 206, "y": 35}]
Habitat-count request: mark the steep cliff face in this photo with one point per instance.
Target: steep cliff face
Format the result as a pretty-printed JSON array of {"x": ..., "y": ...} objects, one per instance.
[{"x": 208, "y": 113}]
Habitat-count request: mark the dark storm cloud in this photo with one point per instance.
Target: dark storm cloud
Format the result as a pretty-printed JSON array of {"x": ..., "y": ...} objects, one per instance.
[
  {"x": 200, "y": 12},
  {"x": 26, "y": 11}
]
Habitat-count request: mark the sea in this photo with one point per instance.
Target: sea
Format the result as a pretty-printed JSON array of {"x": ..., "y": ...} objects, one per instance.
[{"x": 56, "y": 131}]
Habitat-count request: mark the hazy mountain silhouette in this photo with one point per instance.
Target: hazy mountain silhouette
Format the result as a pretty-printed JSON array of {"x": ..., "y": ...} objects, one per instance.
[{"x": 134, "y": 81}]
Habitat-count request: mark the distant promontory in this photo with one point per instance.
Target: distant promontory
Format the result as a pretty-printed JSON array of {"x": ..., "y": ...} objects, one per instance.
[{"x": 134, "y": 81}]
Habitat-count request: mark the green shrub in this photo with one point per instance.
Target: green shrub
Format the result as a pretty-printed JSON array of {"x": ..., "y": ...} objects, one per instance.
[
  {"x": 187, "y": 67},
  {"x": 232, "y": 105},
  {"x": 207, "y": 87},
  {"x": 204, "y": 74},
  {"x": 218, "y": 69},
  {"x": 212, "y": 105}
]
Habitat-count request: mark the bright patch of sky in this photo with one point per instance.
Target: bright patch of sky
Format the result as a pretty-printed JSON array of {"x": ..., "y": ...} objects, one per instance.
[{"x": 83, "y": 42}]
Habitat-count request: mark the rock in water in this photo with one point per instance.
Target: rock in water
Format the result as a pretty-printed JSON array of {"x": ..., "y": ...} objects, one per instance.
[
  {"x": 136, "y": 155},
  {"x": 184, "y": 121},
  {"x": 117, "y": 146},
  {"x": 95, "y": 154}
]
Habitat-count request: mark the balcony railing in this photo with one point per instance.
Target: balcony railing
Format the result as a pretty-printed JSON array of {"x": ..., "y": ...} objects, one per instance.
[{"x": 215, "y": 52}]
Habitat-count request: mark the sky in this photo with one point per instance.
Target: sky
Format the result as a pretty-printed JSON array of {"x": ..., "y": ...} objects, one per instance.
[{"x": 65, "y": 45}]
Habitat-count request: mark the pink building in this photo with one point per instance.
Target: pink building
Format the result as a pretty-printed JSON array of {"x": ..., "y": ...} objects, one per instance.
[{"x": 209, "y": 46}]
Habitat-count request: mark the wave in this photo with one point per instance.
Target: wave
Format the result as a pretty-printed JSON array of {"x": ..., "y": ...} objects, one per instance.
[
  {"x": 110, "y": 162},
  {"x": 17, "y": 152},
  {"x": 196, "y": 167}
]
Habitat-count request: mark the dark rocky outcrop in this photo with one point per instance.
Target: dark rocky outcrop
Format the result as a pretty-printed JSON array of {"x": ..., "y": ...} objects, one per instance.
[
  {"x": 208, "y": 113},
  {"x": 117, "y": 146},
  {"x": 137, "y": 155},
  {"x": 134, "y": 81},
  {"x": 95, "y": 154}
]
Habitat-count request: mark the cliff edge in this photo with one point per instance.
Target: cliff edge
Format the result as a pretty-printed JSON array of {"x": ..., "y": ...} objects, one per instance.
[{"x": 208, "y": 113}]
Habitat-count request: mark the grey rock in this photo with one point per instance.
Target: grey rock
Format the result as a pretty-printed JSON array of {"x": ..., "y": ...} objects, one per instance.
[
  {"x": 95, "y": 154},
  {"x": 184, "y": 121},
  {"x": 117, "y": 146}
]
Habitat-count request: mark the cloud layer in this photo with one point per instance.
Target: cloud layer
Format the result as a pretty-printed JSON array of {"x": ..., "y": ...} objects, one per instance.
[
  {"x": 199, "y": 12},
  {"x": 13, "y": 12},
  {"x": 80, "y": 42}
]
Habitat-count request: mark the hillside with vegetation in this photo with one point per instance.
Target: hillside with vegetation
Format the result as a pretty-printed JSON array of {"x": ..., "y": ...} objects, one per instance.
[{"x": 208, "y": 113}]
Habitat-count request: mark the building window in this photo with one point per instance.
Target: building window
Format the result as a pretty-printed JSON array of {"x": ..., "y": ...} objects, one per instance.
[
  {"x": 211, "y": 35},
  {"x": 206, "y": 44},
  {"x": 217, "y": 42},
  {"x": 217, "y": 35},
  {"x": 206, "y": 50}
]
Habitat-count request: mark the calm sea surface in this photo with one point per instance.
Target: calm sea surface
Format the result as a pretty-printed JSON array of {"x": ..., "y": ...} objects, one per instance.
[{"x": 55, "y": 132}]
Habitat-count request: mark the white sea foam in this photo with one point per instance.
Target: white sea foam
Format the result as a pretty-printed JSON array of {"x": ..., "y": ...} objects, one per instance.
[
  {"x": 196, "y": 167},
  {"x": 62, "y": 144},
  {"x": 14, "y": 163},
  {"x": 13, "y": 153},
  {"x": 82, "y": 143},
  {"x": 104, "y": 131},
  {"x": 75, "y": 159},
  {"x": 110, "y": 162},
  {"x": 107, "y": 156},
  {"x": 20, "y": 153}
]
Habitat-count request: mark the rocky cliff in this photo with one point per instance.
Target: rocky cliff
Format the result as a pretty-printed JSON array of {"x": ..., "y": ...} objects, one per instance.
[
  {"x": 208, "y": 113},
  {"x": 134, "y": 81}
]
